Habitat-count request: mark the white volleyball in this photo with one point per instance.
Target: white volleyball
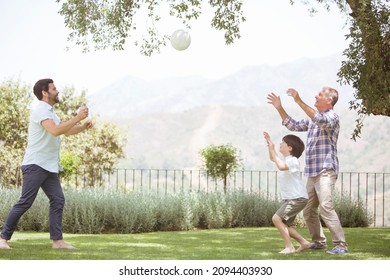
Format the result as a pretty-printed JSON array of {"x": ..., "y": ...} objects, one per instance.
[{"x": 180, "y": 40}]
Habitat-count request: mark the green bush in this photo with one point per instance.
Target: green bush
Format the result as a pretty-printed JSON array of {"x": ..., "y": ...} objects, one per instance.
[
  {"x": 352, "y": 213},
  {"x": 98, "y": 211},
  {"x": 94, "y": 211}
]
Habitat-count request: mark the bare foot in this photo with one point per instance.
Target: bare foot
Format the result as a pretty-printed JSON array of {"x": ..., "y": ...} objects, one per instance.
[
  {"x": 287, "y": 251},
  {"x": 304, "y": 247},
  {"x": 4, "y": 244},
  {"x": 61, "y": 244}
]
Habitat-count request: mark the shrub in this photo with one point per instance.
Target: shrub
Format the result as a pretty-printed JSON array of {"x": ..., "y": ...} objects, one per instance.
[
  {"x": 97, "y": 211},
  {"x": 352, "y": 213}
]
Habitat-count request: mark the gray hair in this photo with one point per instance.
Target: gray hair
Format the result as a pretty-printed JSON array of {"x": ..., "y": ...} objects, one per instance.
[{"x": 332, "y": 94}]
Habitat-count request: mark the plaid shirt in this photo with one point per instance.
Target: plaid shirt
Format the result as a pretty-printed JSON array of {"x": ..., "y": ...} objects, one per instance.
[{"x": 321, "y": 146}]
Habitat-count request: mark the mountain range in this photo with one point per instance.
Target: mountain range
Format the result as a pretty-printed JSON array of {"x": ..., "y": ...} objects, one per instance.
[
  {"x": 168, "y": 121},
  {"x": 131, "y": 96}
]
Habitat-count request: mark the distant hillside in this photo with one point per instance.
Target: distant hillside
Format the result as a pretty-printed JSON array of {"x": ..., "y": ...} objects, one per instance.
[
  {"x": 168, "y": 121},
  {"x": 173, "y": 140},
  {"x": 133, "y": 97}
]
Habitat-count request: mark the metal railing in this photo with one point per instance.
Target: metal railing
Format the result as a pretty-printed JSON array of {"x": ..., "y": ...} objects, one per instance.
[{"x": 371, "y": 189}]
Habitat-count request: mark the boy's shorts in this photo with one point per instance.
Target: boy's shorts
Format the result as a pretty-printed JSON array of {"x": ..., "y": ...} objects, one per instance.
[{"x": 290, "y": 209}]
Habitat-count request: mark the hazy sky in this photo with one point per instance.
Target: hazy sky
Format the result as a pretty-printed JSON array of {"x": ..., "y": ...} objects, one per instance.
[{"x": 34, "y": 40}]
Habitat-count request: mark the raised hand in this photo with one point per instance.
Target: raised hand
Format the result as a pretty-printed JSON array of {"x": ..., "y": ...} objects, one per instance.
[
  {"x": 88, "y": 124},
  {"x": 82, "y": 113},
  {"x": 274, "y": 100},
  {"x": 268, "y": 139},
  {"x": 294, "y": 94}
]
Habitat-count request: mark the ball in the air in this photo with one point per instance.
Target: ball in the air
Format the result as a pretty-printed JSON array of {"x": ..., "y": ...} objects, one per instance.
[{"x": 180, "y": 40}]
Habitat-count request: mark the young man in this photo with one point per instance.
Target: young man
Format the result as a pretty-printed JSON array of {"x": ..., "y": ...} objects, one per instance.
[
  {"x": 293, "y": 192},
  {"x": 321, "y": 163},
  {"x": 40, "y": 165}
]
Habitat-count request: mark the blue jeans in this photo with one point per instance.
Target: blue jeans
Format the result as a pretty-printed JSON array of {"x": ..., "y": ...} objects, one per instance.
[{"x": 35, "y": 177}]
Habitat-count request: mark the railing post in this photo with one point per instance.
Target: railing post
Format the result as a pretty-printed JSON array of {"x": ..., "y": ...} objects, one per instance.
[
  {"x": 150, "y": 179},
  {"x": 374, "y": 199},
  {"x": 235, "y": 180},
  {"x": 242, "y": 178},
  {"x": 383, "y": 200},
  {"x": 251, "y": 181},
  {"x": 174, "y": 180},
  {"x": 133, "y": 179},
  {"x": 367, "y": 192},
  {"x": 158, "y": 179},
  {"x": 190, "y": 180},
  {"x": 142, "y": 175},
  {"x": 267, "y": 184},
  {"x": 199, "y": 180},
  {"x": 182, "y": 180},
  {"x": 166, "y": 181}
]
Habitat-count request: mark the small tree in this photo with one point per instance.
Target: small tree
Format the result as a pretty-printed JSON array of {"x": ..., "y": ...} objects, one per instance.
[
  {"x": 220, "y": 161},
  {"x": 70, "y": 163},
  {"x": 99, "y": 149}
]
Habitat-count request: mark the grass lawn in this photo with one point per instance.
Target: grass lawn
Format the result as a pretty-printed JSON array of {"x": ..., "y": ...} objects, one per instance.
[{"x": 220, "y": 244}]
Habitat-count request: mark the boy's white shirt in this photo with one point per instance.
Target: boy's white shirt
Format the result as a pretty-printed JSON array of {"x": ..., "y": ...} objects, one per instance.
[{"x": 291, "y": 184}]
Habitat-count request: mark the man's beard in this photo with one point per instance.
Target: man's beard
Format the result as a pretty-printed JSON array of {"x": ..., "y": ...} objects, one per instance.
[{"x": 55, "y": 99}]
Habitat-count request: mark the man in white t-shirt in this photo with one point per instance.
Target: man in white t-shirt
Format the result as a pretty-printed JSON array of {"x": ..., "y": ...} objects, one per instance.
[
  {"x": 293, "y": 192},
  {"x": 40, "y": 165}
]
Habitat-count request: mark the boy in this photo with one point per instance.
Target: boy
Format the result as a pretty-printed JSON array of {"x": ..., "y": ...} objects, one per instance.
[{"x": 293, "y": 192}]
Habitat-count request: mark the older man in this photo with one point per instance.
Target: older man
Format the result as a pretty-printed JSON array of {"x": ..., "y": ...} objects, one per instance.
[{"x": 321, "y": 166}]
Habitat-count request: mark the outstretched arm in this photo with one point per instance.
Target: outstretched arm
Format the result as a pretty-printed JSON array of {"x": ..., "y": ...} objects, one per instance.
[
  {"x": 272, "y": 153},
  {"x": 79, "y": 128},
  {"x": 275, "y": 101},
  {"x": 64, "y": 127}
]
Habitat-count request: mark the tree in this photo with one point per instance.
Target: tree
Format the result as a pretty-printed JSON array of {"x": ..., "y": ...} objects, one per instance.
[
  {"x": 100, "y": 147},
  {"x": 14, "y": 114},
  {"x": 220, "y": 161},
  {"x": 93, "y": 153},
  {"x": 106, "y": 24},
  {"x": 367, "y": 66}
]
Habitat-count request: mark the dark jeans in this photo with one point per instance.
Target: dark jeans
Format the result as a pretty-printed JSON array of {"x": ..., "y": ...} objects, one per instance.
[{"x": 35, "y": 177}]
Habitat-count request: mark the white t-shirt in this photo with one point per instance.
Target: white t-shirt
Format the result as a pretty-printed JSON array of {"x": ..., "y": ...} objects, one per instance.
[
  {"x": 43, "y": 148},
  {"x": 291, "y": 184}
]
